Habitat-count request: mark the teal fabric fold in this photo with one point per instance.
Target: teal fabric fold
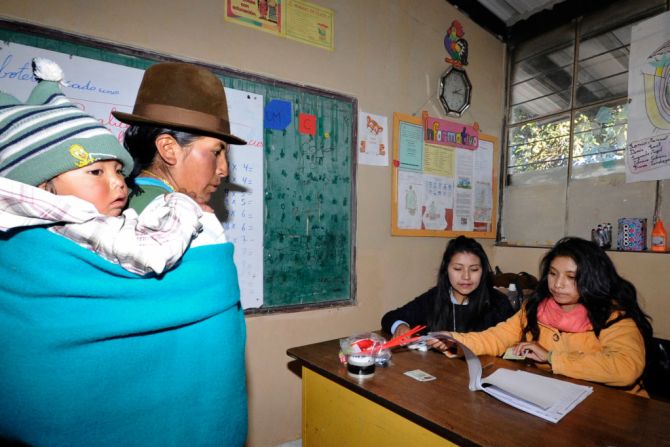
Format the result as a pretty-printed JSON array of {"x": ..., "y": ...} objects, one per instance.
[{"x": 92, "y": 355}]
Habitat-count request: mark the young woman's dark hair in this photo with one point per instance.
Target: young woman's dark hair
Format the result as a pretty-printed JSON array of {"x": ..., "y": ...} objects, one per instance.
[
  {"x": 480, "y": 298},
  {"x": 140, "y": 140},
  {"x": 601, "y": 289}
]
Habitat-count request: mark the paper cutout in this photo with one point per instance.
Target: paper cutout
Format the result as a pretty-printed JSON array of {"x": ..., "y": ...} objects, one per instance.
[
  {"x": 456, "y": 45},
  {"x": 372, "y": 139},
  {"x": 277, "y": 114},
  {"x": 451, "y": 133},
  {"x": 307, "y": 124}
]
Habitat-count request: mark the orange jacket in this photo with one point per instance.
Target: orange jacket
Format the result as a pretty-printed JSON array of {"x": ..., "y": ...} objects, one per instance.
[{"x": 616, "y": 358}]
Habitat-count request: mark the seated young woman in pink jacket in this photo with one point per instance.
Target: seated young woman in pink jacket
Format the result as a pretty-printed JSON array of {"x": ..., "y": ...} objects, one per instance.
[{"x": 584, "y": 321}]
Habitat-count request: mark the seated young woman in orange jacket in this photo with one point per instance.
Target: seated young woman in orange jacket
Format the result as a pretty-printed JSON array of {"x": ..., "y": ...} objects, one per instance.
[{"x": 584, "y": 321}]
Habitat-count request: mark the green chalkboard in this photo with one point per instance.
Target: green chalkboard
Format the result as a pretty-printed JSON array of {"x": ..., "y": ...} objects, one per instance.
[
  {"x": 308, "y": 198},
  {"x": 309, "y": 192}
]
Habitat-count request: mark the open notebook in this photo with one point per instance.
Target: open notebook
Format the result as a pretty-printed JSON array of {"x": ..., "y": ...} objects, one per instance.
[{"x": 542, "y": 396}]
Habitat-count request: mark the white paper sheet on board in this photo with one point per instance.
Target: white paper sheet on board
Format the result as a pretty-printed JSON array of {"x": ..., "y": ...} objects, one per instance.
[{"x": 244, "y": 226}]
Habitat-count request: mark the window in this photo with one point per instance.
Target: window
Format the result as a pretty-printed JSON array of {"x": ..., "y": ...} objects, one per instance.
[{"x": 566, "y": 131}]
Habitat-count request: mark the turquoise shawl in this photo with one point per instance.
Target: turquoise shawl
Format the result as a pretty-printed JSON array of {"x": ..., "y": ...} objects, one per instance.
[{"x": 91, "y": 354}]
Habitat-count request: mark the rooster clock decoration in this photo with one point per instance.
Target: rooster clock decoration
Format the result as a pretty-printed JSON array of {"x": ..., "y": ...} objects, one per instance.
[{"x": 455, "y": 89}]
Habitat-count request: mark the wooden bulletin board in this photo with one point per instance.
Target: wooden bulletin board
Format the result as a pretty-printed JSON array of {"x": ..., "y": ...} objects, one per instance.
[
  {"x": 440, "y": 190},
  {"x": 306, "y": 166}
]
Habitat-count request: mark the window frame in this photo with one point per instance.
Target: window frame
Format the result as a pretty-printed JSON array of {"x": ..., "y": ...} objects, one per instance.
[{"x": 572, "y": 111}]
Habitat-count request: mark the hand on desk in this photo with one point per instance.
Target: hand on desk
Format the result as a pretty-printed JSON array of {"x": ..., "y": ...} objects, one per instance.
[{"x": 531, "y": 350}]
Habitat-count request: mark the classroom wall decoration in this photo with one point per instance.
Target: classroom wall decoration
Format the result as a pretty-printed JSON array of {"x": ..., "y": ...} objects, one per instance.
[
  {"x": 373, "y": 144},
  {"x": 648, "y": 149},
  {"x": 455, "y": 88},
  {"x": 295, "y": 19},
  {"x": 264, "y": 15},
  {"x": 443, "y": 179},
  {"x": 456, "y": 45},
  {"x": 311, "y": 24},
  {"x": 289, "y": 205}
]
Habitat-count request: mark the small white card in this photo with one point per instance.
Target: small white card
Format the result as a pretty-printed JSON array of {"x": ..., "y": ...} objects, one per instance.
[
  {"x": 510, "y": 355},
  {"x": 419, "y": 375}
]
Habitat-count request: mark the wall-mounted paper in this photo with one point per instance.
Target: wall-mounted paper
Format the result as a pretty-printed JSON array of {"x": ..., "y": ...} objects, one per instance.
[{"x": 372, "y": 139}]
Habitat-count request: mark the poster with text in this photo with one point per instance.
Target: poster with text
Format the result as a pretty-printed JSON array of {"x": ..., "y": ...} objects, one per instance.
[
  {"x": 264, "y": 15},
  {"x": 483, "y": 186},
  {"x": 310, "y": 24},
  {"x": 410, "y": 146},
  {"x": 464, "y": 191},
  {"x": 648, "y": 147},
  {"x": 440, "y": 188},
  {"x": 96, "y": 87}
]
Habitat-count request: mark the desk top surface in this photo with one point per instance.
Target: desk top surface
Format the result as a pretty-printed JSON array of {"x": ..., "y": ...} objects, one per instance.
[{"x": 446, "y": 406}]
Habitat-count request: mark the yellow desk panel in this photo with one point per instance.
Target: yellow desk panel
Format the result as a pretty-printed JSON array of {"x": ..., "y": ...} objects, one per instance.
[{"x": 334, "y": 416}]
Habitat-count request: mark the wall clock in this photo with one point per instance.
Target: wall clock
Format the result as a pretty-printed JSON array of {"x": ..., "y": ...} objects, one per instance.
[{"x": 455, "y": 91}]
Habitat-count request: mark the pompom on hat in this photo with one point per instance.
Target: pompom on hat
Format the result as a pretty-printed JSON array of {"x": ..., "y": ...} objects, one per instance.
[
  {"x": 184, "y": 97},
  {"x": 49, "y": 135}
]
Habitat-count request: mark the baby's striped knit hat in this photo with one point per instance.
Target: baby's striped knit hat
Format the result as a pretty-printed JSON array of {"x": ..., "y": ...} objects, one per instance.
[{"x": 49, "y": 135}]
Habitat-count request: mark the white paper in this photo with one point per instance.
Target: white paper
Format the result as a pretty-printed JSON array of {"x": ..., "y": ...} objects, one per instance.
[
  {"x": 244, "y": 226},
  {"x": 98, "y": 88},
  {"x": 483, "y": 175},
  {"x": 372, "y": 139},
  {"x": 464, "y": 202},
  {"x": 541, "y": 396},
  {"x": 648, "y": 149},
  {"x": 410, "y": 199},
  {"x": 438, "y": 197}
]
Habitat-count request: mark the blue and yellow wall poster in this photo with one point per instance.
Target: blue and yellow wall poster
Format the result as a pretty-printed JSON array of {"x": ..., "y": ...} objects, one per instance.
[
  {"x": 648, "y": 146},
  {"x": 410, "y": 146},
  {"x": 264, "y": 15}
]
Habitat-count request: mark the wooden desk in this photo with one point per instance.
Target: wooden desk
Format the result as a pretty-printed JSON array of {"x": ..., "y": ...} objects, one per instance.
[{"x": 392, "y": 409}]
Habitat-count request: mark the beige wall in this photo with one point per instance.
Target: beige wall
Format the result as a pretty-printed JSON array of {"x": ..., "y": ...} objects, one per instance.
[{"x": 389, "y": 55}]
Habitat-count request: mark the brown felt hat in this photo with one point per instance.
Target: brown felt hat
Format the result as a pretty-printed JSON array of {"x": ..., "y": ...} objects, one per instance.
[{"x": 183, "y": 96}]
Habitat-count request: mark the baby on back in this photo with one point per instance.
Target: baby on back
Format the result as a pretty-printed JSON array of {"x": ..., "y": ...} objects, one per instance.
[{"x": 61, "y": 168}]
